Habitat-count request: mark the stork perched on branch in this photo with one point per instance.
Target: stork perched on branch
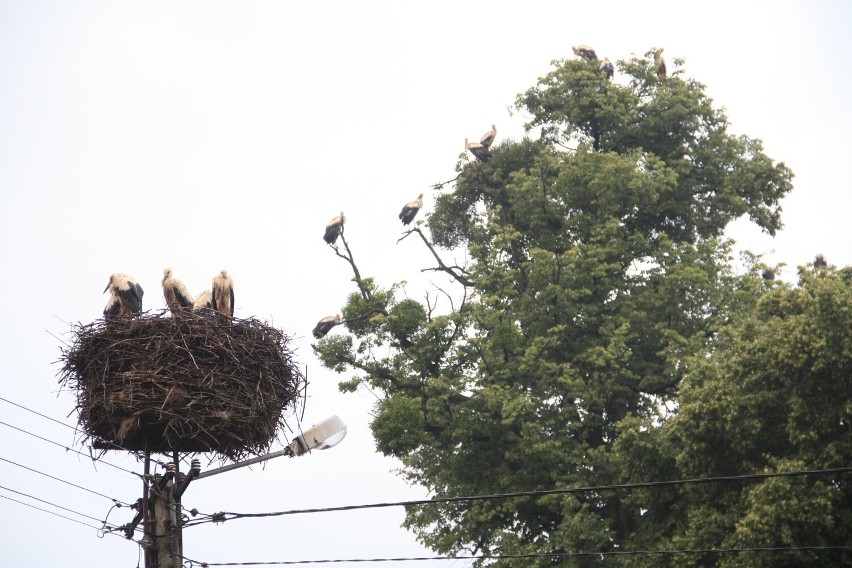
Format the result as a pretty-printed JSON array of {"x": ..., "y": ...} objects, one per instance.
[
  {"x": 334, "y": 229},
  {"x": 488, "y": 138},
  {"x": 584, "y": 51},
  {"x": 175, "y": 292},
  {"x": 125, "y": 296},
  {"x": 479, "y": 151},
  {"x": 223, "y": 294},
  {"x": 660, "y": 64},
  {"x": 607, "y": 67},
  {"x": 409, "y": 211},
  {"x": 325, "y": 325}
]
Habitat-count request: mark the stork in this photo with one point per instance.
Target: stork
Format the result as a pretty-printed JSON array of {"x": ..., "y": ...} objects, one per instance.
[
  {"x": 820, "y": 262},
  {"x": 488, "y": 138},
  {"x": 113, "y": 306},
  {"x": 584, "y": 51},
  {"x": 175, "y": 292},
  {"x": 660, "y": 65},
  {"x": 768, "y": 274},
  {"x": 334, "y": 229},
  {"x": 409, "y": 212},
  {"x": 223, "y": 294},
  {"x": 479, "y": 151},
  {"x": 325, "y": 324},
  {"x": 607, "y": 67},
  {"x": 204, "y": 301},
  {"x": 125, "y": 295}
]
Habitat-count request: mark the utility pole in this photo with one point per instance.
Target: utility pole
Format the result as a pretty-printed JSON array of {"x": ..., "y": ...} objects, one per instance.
[
  {"x": 163, "y": 517},
  {"x": 160, "y": 511}
]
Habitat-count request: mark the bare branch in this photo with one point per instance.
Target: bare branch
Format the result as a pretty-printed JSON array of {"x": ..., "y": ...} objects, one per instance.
[
  {"x": 443, "y": 183},
  {"x": 365, "y": 292},
  {"x": 456, "y": 272}
]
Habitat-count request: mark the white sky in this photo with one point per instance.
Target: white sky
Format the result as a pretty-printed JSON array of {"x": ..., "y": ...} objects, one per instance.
[{"x": 203, "y": 135}]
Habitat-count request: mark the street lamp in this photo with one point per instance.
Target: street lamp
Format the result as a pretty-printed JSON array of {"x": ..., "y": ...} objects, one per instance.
[{"x": 322, "y": 436}]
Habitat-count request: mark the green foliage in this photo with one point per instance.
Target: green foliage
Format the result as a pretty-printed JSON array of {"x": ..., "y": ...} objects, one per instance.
[
  {"x": 598, "y": 284},
  {"x": 773, "y": 396}
]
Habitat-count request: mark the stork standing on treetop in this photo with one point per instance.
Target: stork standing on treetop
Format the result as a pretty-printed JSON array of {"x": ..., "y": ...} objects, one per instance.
[
  {"x": 175, "y": 292},
  {"x": 223, "y": 294},
  {"x": 479, "y": 151},
  {"x": 325, "y": 325},
  {"x": 488, "y": 138},
  {"x": 584, "y": 51},
  {"x": 334, "y": 229},
  {"x": 409, "y": 211},
  {"x": 607, "y": 67},
  {"x": 125, "y": 296},
  {"x": 660, "y": 64}
]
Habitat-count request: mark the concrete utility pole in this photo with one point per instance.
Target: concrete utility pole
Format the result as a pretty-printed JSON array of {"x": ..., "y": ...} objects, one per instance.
[
  {"x": 164, "y": 524},
  {"x": 160, "y": 511},
  {"x": 163, "y": 536}
]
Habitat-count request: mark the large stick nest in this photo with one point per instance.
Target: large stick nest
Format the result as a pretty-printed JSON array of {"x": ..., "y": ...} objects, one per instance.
[{"x": 194, "y": 382}]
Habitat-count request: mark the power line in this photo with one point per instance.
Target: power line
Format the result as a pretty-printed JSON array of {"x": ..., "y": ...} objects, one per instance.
[
  {"x": 51, "y": 512},
  {"x": 225, "y": 516},
  {"x": 54, "y": 504},
  {"x": 551, "y": 555},
  {"x": 112, "y": 445},
  {"x": 66, "y": 482},
  {"x": 67, "y": 449},
  {"x": 100, "y": 530},
  {"x": 39, "y": 414}
]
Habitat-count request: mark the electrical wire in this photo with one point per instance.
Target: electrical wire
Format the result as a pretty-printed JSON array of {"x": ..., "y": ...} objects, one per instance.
[
  {"x": 550, "y": 555},
  {"x": 122, "y": 503},
  {"x": 52, "y": 512},
  {"x": 51, "y": 504},
  {"x": 112, "y": 445},
  {"x": 226, "y": 516},
  {"x": 100, "y": 531},
  {"x": 67, "y": 449},
  {"x": 38, "y": 414}
]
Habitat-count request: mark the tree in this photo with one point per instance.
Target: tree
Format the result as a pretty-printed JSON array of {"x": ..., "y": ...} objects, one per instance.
[
  {"x": 596, "y": 270},
  {"x": 774, "y": 396}
]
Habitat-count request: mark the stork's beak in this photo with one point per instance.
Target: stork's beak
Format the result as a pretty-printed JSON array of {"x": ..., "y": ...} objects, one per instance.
[{"x": 107, "y": 288}]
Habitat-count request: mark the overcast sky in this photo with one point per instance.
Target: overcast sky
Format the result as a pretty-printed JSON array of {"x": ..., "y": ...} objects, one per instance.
[{"x": 209, "y": 135}]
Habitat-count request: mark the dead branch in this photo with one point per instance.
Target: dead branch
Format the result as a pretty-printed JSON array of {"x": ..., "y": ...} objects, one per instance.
[
  {"x": 456, "y": 272},
  {"x": 365, "y": 291}
]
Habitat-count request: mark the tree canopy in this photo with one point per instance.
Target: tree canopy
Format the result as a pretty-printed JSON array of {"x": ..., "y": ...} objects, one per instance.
[{"x": 596, "y": 305}]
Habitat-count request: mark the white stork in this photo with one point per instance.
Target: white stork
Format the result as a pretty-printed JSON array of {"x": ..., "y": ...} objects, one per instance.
[
  {"x": 175, "y": 292},
  {"x": 325, "y": 324},
  {"x": 334, "y": 229},
  {"x": 660, "y": 65},
  {"x": 479, "y": 151},
  {"x": 204, "y": 301},
  {"x": 488, "y": 138},
  {"x": 409, "y": 212},
  {"x": 113, "y": 306},
  {"x": 607, "y": 67},
  {"x": 584, "y": 51},
  {"x": 125, "y": 295},
  {"x": 223, "y": 294}
]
